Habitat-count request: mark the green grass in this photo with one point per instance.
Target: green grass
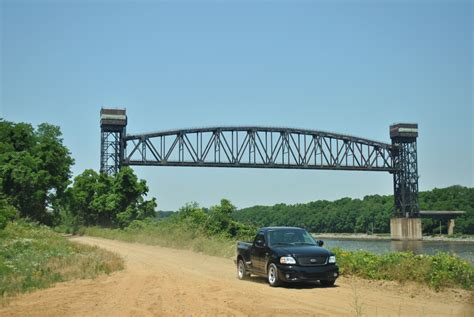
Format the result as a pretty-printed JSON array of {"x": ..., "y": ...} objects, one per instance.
[
  {"x": 33, "y": 257},
  {"x": 439, "y": 271}
]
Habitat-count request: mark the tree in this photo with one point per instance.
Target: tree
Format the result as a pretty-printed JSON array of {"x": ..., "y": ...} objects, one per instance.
[
  {"x": 81, "y": 196},
  {"x": 105, "y": 200},
  {"x": 220, "y": 220},
  {"x": 130, "y": 194},
  {"x": 34, "y": 168}
]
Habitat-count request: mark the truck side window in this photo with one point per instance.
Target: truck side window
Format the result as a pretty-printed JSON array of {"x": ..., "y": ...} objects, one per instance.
[{"x": 260, "y": 240}]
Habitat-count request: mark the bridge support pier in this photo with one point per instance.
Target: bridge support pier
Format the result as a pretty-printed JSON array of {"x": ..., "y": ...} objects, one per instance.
[
  {"x": 405, "y": 228},
  {"x": 450, "y": 227}
]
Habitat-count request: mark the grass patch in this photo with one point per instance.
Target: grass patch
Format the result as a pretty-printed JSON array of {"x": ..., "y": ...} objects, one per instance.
[
  {"x": 33, "y": 257},
  {"x": 436, "y": 271}
]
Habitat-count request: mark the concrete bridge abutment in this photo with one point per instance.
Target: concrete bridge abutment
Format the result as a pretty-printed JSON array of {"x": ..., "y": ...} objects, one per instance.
[{"x": 405, "y": 228}]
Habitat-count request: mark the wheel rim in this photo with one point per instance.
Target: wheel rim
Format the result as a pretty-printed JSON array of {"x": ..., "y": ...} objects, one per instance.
[
  {"x": 241, "y": 269},
  {"x": 272, "y": 275}
]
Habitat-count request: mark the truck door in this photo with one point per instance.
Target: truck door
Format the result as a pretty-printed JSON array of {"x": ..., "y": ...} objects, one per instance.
[{"x": 258, "y": 253}]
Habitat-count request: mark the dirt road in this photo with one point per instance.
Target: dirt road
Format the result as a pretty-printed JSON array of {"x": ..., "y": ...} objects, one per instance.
[{"x": 166, "y": 282}]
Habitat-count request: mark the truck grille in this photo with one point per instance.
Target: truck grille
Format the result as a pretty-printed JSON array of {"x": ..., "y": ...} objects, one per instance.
[{"x": 312, "y": 260}]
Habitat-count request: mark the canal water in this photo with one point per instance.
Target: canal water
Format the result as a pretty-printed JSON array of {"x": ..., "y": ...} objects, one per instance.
[{"x": 464, "y": 250}]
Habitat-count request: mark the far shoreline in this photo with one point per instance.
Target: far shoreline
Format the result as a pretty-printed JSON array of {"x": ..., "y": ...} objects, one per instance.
[{"x": 386, "y": 236}]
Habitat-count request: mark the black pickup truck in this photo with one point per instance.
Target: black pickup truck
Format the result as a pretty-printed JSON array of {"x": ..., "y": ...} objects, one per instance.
[{"x": 286, "y": 254}]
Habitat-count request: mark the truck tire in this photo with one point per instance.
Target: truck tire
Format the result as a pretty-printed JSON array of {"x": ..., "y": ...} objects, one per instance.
[
  {"x": 242, "y": 270},
  {"x": 327, "y": 283},
  {"x": 272, "y": 275}
]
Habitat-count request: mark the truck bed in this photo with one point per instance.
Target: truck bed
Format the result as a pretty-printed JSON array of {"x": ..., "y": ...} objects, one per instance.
[{"x": 243, "y": 249}]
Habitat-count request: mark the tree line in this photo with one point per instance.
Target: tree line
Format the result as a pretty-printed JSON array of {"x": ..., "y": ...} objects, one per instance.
[
  {"x": 35, "y": 183},
  {"x": 368, "y": 215}
]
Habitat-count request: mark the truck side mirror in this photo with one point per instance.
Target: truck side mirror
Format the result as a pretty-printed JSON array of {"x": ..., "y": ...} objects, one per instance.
[
  {"x": 259, "y": 243},
  {"x": 320, "y": 243}
]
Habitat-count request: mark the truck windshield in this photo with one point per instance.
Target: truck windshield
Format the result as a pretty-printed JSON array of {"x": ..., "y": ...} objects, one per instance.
[{"x": 290, "y": 237}]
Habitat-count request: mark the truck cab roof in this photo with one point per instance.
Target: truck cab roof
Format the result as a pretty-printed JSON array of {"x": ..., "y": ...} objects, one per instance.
[{"x": 265, "y": 229}]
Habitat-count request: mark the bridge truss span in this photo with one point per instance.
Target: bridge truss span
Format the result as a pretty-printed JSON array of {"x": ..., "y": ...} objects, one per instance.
[{"x": 258, "y": 147}]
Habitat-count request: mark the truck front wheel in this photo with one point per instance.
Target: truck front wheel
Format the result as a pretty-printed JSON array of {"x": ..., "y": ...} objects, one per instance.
[{"x": 273, "y": 279}]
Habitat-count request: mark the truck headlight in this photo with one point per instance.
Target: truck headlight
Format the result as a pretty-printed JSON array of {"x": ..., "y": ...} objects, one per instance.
[
  {"x": 287, "y": 260},
  {"x": 332, "y": 259}
]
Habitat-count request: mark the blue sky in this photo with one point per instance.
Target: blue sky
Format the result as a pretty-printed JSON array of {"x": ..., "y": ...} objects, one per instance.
[{"x": 351, "y": 67}]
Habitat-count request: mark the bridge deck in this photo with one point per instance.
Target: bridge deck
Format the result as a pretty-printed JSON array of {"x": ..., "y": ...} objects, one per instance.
[{"x": 441, "y": 214}]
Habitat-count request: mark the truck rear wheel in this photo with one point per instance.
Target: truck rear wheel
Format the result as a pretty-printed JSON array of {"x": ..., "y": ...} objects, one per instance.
[
  {"x": 242, "y": 270},
  {"x": 273, "y": 278}
]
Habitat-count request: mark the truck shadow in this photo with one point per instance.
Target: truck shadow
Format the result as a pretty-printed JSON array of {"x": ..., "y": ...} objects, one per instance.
[{"x": 296, "y": 285}]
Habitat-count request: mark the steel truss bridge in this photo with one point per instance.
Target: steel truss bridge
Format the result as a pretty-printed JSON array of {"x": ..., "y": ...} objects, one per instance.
[
  {"x": 266, "y": 147},
  {"x": 257, "y": 147}
]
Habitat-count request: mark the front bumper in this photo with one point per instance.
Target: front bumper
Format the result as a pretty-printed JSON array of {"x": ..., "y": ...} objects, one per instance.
[{"x": 296, "y": 273}]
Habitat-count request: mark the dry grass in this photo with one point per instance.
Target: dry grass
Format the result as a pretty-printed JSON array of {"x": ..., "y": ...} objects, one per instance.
[
  {"x": 85, "y": 262},
  {"x": 170, "y": 238}
]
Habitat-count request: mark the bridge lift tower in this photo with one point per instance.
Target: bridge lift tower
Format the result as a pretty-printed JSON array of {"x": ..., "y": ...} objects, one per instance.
[
  {"x": 113, "y": 124},
  {"x": 406, "y": 222}
]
